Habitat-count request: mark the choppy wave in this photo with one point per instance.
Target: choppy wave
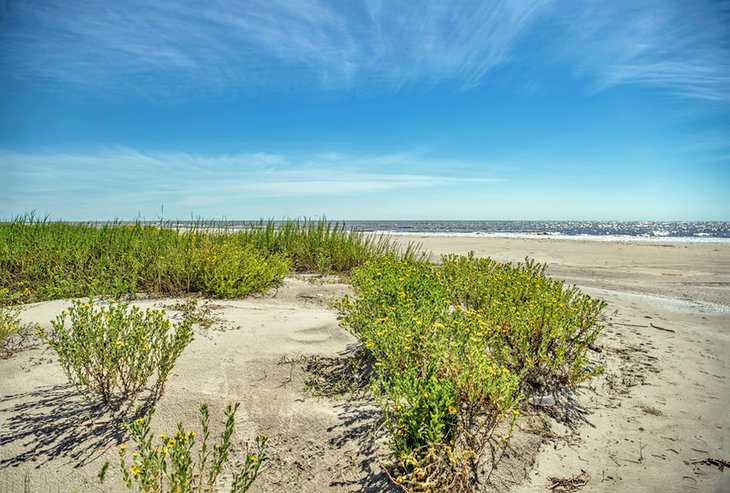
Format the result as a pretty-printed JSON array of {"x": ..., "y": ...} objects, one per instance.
[{"x": 643, "y": 231}]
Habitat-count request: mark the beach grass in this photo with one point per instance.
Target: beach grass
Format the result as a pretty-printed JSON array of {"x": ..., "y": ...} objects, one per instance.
[{"x": 43, "y": 260}]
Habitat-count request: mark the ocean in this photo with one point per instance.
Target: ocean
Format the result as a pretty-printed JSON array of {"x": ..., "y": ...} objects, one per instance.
[
  {"x": 634, "y": 231},
  {"x": 676, "y": 231}
]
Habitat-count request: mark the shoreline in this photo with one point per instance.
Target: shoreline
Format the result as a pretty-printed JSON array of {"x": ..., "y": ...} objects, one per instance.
[{"x": 560, "y": 237}]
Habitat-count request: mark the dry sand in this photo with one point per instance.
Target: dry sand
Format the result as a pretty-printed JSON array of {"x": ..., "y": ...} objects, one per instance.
[{"x": 661, "y": 406}]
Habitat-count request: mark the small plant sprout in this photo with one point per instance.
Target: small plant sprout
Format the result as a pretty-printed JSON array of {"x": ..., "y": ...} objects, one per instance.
[{"x": 167, "y": 462}]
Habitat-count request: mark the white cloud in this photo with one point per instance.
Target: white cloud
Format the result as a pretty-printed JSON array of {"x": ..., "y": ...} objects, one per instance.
[
  {"x": 99, "y": 181},
  {"x": 230, "y": 44},
  {"x": 166, "y": 47},
  {"x": 680, "y": 46}
]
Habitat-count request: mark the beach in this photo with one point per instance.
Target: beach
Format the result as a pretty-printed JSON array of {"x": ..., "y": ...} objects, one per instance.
[{"x": 650, "y": 422}]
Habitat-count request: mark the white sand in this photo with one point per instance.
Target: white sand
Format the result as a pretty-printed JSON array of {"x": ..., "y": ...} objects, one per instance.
[{"x": 662, "y": 403}]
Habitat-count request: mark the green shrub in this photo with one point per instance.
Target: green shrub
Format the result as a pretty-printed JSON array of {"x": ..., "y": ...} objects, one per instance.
[
  {"x": 455, "y": 346},
  {"x": 12, "y": 330},
  {"x": 9, "y": 326},
  {"x": 114, "y": 352},
  {"x": 541, "y": 327},
  {"x": 228, "y": 270},
  {"x": 171, "y": 465},
  {"x": 441, "y": 392}
]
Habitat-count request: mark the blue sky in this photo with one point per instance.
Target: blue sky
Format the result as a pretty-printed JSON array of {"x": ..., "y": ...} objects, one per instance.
[{"x": 375, "y": 109}]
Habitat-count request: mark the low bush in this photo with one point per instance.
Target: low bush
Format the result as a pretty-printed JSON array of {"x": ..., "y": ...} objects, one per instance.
[
  {"x": 227, "y": 270},
  {"x": 12, "y": 331},
  {"x": 454, "y": 348},
  {"x": 541, "y": 328},
  {"x": 114, "y": 352},
  {"x": 171, "y": 465}
]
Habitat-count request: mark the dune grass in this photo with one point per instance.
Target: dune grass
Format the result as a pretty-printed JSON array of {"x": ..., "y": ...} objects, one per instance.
[{"x": 42, "y": 260}]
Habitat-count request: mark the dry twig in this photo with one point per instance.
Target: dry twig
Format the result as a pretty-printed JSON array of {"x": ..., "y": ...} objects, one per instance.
[{"x": 565, "y": 485}]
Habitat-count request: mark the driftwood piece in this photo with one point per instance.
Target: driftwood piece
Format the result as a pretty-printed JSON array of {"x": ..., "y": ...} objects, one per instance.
[{"x": 565, "y": 485}]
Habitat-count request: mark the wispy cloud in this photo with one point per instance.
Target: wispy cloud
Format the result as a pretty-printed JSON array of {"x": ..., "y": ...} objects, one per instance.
[
  {"x": 681, "y": 46},
  {"x": 167, "y": 47},
  {"x": 109, "y": 182},
  {"x": 229, "y": 44}
]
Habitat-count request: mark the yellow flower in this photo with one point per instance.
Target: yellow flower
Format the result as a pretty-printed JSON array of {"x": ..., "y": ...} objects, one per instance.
[
  {"x": 122, "y": 447},
  {"x": 170, "y": 442},
  {"x": 118, "y": 343},
  {"x": 38, "y": 332},
  {"x": 135, "y": 454},
  {"x": 135, "y": 470},
  {"x": 516, "y": 412},
  {"x": 139, "y": 421},
  {"x": 162, "y": 436},
  {"x": 452, "y": 410},
  {"x": 378, "y": 363},
  {"x": 146, "y": 347},
  {"x": 253, "y": 458}
]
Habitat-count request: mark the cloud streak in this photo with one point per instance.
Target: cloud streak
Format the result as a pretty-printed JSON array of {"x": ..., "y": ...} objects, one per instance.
[
  {"x": 680, "y": 46},
  {"x": 228, "y": 44},
  {"x": 165, "y": 48},
  {"x": 116, "y": 177}
]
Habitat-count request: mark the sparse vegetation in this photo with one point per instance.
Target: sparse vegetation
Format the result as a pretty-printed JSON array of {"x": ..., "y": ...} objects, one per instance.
[
  {"x": 169, "y": 462},
  {"x": 114, "y": 351},
  {"x": 450, "y": 350}
]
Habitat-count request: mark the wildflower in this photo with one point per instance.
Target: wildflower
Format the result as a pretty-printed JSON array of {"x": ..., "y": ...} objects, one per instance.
[
  {"x": 516, "y": 412},
  {"x": 170, "y": 442},
  {"x": 135, "y": 454},
  {"x": 139, "y": 421},
  {"x": 135, "y": 470},
  {"x": 38, "y": 332},
  {"x": 146, "y": 347},
  {"x": 162, "y": 436},
  {"x": 452, "y": 410},
  {"x": 378, "y": 363},
  {"x": 253, "y": 458},
  {"x": 118, "y": 342},
  {"x": 122, "y": 447}
]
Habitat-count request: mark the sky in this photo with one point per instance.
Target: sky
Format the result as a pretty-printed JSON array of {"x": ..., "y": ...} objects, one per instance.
[{"x": 373, "y": 109}]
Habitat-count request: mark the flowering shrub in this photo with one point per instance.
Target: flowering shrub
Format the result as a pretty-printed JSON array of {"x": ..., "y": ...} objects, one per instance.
[
  {"x": 455, "y": 346},
  {"x": 114, "y": 351},
  {"x": 228, "y": 270},
  {"x": 11, "y": 328},
  {"x": 541, "y": 328},
  {"x": 170, "y": 465}
]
